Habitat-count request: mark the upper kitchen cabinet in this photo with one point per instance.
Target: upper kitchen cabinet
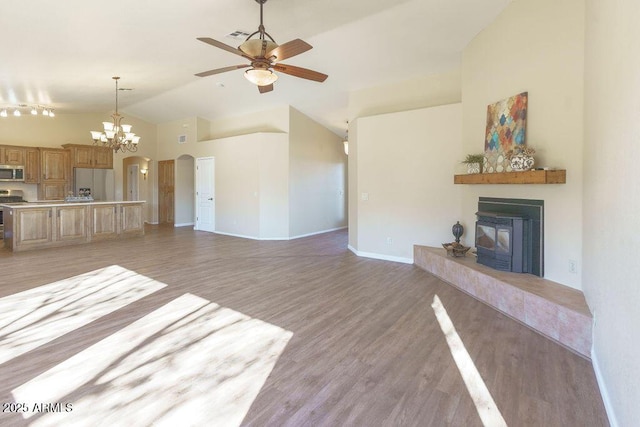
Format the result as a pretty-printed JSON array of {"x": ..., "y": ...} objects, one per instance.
[
  {"x": 55, "y": 170},
  {"x": 10, "y": 155},
  {"x": 89, "y": 156},
  {"x": 31, "y": 165}
]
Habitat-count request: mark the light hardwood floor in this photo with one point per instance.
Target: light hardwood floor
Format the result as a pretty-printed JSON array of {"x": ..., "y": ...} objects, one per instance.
[{"x": 366, "y": 349}]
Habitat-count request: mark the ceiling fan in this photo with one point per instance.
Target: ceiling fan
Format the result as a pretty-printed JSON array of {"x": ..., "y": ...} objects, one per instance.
[{"x": 264, "y": 56}]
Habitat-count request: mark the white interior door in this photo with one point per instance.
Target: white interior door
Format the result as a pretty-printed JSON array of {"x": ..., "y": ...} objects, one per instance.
[{"x": 205, "y": 194}]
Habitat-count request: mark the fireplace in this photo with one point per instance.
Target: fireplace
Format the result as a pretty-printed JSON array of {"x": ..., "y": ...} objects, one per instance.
[{"x": 509, "y": 235}]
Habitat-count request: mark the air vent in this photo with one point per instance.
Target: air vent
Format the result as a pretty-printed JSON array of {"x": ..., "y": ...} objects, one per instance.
[{"x": 238, "y": 35}]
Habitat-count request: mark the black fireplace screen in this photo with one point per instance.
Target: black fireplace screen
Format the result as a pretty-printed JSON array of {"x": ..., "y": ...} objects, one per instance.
[{"x": 509, "y": 234}]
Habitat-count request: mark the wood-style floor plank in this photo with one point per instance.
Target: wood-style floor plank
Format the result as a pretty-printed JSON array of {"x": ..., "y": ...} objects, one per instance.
[{"x": 366, "y": 350}]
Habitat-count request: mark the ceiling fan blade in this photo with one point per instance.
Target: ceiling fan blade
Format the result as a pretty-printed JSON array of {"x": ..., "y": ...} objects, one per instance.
[
  {"x": 300, "y": 72},
  {"x": 289, "y": 49},
  {"x": 221, "y": 70},
  {"x": 265, "y": 89},
  {"x": 226, "y": 47}
]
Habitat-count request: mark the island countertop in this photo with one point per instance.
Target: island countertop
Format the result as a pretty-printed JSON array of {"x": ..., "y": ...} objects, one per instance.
[{"x": 58, "y": 203}]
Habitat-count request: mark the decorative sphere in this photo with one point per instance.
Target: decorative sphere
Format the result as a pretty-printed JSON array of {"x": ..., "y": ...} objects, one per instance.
[{"x": 457, "y": 231}]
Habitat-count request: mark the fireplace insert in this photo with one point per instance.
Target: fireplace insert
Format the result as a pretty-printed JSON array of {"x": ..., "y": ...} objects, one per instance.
[
  {"x": 509, "y": 235},
  {"x": 503, "y": 241}
]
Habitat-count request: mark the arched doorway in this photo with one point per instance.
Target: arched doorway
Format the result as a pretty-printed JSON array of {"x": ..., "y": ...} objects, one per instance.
[{"x": 136, "y": 184}]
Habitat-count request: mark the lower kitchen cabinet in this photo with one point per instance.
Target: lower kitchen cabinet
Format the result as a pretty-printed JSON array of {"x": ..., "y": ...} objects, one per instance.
[
  {"x": 29, "y": 227},
  {"x": 71, "y": 223},
  {"x": 104, "y": 222},
  {"x": 32, "y": 228}
]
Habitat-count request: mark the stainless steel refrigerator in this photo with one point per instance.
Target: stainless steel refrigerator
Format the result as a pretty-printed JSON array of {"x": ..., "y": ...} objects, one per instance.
[{"x": 99, "y": 182}]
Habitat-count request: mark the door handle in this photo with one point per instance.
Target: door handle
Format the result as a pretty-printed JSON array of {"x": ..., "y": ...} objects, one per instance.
[{"x": 210, "y": 198}]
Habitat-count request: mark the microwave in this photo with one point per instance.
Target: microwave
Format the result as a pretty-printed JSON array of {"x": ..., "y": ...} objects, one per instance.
[{"x": 11, "y": 173}]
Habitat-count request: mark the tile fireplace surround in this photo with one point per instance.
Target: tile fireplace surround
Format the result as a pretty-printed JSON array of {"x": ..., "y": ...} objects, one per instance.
[{"x": 551, "y": 309}]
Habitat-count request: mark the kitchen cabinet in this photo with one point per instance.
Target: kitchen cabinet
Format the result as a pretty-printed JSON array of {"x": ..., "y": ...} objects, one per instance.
[
  {"x": 38, "y": 226},
  {"x": 89, "y": 156},
  {"x": 55, "y": 171},
  {"x": 131, "y": 219},
  {"x": 31, "y": 166},
  {"x": 32, "y": 228},
  {"x": 104, "y": 222},
  {"x": 71, "y": 223},
  {"x": 113, "y": 220},
  {"x": 10, "y": 155}
]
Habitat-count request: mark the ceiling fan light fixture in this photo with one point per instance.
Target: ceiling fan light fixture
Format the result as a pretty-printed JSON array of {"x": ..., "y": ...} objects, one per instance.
[
  {"x": 260, "y": 76},
  {"x": 253, "y": 47}
]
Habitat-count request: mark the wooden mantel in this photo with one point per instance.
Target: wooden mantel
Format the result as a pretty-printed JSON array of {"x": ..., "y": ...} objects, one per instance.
[{"x": 528, "y": 177}]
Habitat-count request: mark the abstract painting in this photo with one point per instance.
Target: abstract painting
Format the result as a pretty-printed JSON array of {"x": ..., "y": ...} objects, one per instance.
[{"x": 506, "y": 125}]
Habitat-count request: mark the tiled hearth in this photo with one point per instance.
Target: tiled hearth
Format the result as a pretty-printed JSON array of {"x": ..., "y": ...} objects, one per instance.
[{"x": 554, "y": 310}]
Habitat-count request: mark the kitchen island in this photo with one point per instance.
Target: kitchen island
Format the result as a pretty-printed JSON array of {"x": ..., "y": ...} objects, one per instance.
[{"x": 40, "y": 225}]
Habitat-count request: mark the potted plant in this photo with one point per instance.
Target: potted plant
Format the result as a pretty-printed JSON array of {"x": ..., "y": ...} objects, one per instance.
[{"x": 474, "y": 163}]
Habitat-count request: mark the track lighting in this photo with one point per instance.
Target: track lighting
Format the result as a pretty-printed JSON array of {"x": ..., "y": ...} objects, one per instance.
[{"x": 20, "y": 109}]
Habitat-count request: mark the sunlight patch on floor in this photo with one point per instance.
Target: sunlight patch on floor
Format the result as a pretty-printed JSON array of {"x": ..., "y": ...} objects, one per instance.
[
  {"x": 190, "y": 362},
  {"x": 486, "y": 407},
  {"x": 32, "y": 318}
]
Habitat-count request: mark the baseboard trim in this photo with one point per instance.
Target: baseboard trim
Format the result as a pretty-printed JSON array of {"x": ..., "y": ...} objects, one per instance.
[
  {"x": 184, "y": 224},
  {"x": 317, "y": 232},
  {"x": 608, "y": 407},
  {"x": 243, "y": 236},
  {"x": 236, "y": 235},
  {"x": 380, "y": 256}
]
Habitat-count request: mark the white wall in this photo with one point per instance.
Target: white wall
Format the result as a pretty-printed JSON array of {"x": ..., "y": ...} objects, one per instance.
[
  {"x": 267, "y": 121},
  {"x": 251, "y": 175},
  {"x": 274, "y": 180},
  {"x": 184, "y": 191},
  {"x": 404, "y": 168},
  {"x": 612, "y": 200},
  {"x": 427, "y": 91},
  {"x": 535, "y": 46},
  {"x": 237, "y": 182},
  {"x": 317, "y": 178},
  {"x": 257, "y": 195}
]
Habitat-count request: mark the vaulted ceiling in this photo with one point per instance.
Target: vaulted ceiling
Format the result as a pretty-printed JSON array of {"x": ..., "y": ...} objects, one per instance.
[{"x": 63, "y": 53}]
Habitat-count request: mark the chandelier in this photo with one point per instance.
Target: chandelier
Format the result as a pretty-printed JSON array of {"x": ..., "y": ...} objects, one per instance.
[{"x": 116, "y": 136}]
